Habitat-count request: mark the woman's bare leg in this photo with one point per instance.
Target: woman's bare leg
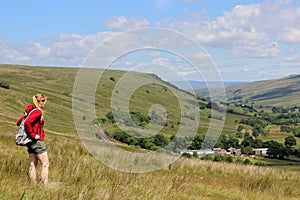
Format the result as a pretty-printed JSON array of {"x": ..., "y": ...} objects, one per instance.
[
  {"x": 43, "y": 158},
  {"x": 32, "y": 167}
]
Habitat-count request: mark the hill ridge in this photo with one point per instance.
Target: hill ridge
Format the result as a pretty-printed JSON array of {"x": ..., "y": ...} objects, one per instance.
[{"x": 275, "y": 92}]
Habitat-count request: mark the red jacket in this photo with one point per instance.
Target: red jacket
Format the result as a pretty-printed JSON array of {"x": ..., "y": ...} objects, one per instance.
[{"x": 34, "y": 124}]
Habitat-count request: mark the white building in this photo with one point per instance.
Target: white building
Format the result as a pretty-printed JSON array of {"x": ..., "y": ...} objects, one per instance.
[
  {"x": 200, "y": 153},
  {"x": 235, "y": 152},
  {"x": 260, "y": 151}
]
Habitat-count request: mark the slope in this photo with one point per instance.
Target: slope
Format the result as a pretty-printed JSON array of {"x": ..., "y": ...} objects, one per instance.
[{"x": 278, "y": 92}]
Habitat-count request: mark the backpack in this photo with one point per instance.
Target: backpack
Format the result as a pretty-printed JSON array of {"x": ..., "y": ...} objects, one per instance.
[{"x": 22, "y": 138}]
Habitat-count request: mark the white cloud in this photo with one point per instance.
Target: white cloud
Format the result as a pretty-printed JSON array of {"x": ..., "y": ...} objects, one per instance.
[
  {"x": 291, "y": 36},
  {"x": 247, "y": 69},
  {"x": 71, "y": 49},
  {"x": 66, "y": 49},
  {"x": 200, "y": 57},
  {"x": 187, "y": 73},
  {"x": 245, "y": 29},
  {"x": 161, "y": 61},
  {"x": 259, "y": 51},
  {"x": 233, "y": 28},
  {"x": 123, "y": 23},
  {"x": 35, "y": 49},
  {"x": 10, "y": 54},
  {"x": 13, "y": 56}
]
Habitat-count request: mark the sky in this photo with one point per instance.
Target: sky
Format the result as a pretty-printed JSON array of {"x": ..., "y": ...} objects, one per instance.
[{"x": 248, "y": 40}]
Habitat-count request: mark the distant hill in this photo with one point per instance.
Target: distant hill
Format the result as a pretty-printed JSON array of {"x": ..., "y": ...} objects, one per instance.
[
  {"x": 196, "y": 85},
  {"x": 277, "y": 92}
]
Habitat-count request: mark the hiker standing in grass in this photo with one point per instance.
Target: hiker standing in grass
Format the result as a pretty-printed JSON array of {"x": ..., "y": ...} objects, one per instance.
[{"x": 34, "y": 125}]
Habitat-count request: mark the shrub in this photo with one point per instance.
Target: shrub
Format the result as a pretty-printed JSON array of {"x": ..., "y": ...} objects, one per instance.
[
  {"x": 195, "y": 154},
  {"x": 103, "y": 120},
  {"x": 297, "y": 152},
  {"x": 95, "y": 121},
  {"x": 239, "y": 160},
  {"x": 240, "y": 128},
  {"x": 259, "y": 164},
  {"x": 247, "y": 161},
  {"x": 110, "y": 117},
  {"x": 229, "y": 159},
  {"x": 208, "y": 157},
  {"x": 4, "y": 85},
  {"x": 187, "y": 155},
  {"x": 67, "y": 94},
  {"x": 218, "y": 158}
]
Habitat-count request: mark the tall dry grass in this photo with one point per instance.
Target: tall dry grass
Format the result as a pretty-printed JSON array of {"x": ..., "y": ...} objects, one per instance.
[{"x": 75, "y": 174}]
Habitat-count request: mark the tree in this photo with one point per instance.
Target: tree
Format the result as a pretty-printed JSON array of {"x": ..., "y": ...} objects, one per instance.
[
  {"x": 227, "y": 141},
  {"x": 258, "y": 130},
  {"x": 239, "y": 135},
  {"x": 248, "y": 150},
  {"x": 132, "y": 141},
  {"x": 296, "y": 132},
  {"x": 240, "y": 128},
  {"x": 297, "y": 152},
  {"x": 197, "y": 143},
  {"x": 147, "y": 143},
  {"x": 195, "y": 154},
  {"x": 248, "y": 141},
  {"x": 258, "y": 143},
  {"x": 161, "y": 140},
  {"x": 277, "y": 150},
  {"x": 290, "y": 141}
]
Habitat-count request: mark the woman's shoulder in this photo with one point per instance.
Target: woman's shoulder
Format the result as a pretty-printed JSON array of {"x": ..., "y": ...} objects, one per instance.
[{"x": 31, "y": 107}]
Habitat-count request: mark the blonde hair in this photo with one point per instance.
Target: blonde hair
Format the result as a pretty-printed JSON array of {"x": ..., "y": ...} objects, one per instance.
[{"x": 38, "y": 98}]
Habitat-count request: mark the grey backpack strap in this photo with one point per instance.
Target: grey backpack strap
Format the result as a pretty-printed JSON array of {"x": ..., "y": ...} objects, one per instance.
[{"x": 26, "y": 116}]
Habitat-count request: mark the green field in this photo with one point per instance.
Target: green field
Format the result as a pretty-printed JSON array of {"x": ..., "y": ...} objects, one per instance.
[{"x": 278, "y": 136}]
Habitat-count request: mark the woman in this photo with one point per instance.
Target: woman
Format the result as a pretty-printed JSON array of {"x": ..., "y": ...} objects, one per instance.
[{"x": 34, "y": 126}]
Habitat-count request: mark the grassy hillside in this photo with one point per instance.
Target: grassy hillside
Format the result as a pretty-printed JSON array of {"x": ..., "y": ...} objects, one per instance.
[
  {"x": 277, "y": 92},
  {"x": 76, "y": 174},
  {"x": 57, "y": 84}
]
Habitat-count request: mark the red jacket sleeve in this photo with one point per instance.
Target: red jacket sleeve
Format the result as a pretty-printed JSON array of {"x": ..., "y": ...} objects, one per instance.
[{"x": 33, "y": 119}]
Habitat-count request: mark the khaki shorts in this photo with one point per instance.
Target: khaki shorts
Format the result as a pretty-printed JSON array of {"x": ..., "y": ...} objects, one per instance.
[{"x": 38, "y": 147}]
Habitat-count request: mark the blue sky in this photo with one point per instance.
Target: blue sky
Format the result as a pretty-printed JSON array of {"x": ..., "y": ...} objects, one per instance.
[{"x": 248, "y": 40}]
